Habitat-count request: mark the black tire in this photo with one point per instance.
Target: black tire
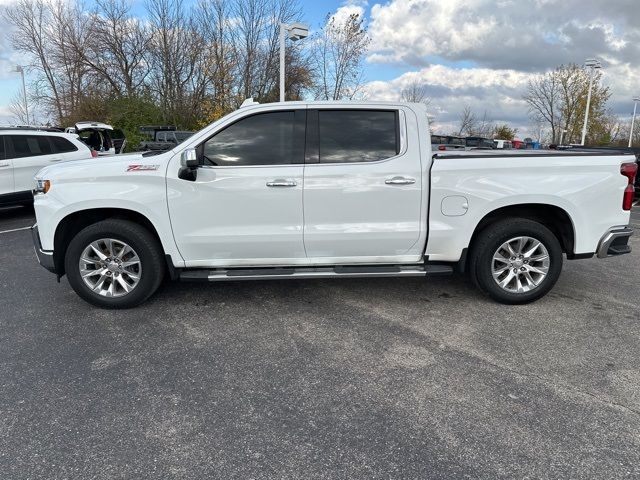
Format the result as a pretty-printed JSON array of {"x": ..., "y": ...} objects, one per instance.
[
  {"x": 492, "y": 237},
  {"x": 139, "y": 239}
]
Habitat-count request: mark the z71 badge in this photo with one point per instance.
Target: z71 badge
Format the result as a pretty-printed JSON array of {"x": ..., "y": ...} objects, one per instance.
[{"x": 142, "y": 168}]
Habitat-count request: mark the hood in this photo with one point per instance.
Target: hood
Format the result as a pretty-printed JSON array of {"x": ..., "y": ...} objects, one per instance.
[{"x": 99, "y": 165}]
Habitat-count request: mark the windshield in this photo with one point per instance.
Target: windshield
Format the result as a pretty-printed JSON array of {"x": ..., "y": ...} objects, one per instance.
[{"x": 182, "y": 136}]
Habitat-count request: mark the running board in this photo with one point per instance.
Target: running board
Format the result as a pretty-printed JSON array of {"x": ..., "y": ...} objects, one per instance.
[{"x": 346, "y": 271}]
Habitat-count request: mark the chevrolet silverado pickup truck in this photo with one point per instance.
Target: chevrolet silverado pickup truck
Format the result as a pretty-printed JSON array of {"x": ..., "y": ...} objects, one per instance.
[{"x": 327, "y": 189}]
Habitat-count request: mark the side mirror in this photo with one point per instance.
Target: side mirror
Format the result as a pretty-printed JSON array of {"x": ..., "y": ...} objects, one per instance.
[
  {"x": 189, "y": 158},
  {"x": 189, "y": 163}
]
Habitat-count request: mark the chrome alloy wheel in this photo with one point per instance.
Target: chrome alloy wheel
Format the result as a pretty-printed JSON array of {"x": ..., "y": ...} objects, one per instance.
[
  {"x": 521, "y": 264},
  {"x": 110, "y": 267}
]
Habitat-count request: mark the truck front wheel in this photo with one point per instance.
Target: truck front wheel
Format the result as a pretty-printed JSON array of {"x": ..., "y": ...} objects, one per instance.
[
  {"x": 516, "y": 261},
  {"x": 114, "y": 264}
]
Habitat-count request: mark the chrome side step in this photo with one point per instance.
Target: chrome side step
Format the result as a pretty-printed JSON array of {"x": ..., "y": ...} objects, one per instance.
[{"x": 340, "y": 271}]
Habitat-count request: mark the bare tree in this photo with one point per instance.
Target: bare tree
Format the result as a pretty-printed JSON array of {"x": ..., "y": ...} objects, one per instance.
[
  {"x": 278, "y": 11},
  {"x": 337, "y": 55},
  {"x": 178, "y": 74},
  {"x": 468, "y": 121},
  {"x": 185, "y": 63},
  {"x": 31, "y": 19},
  {"x": 558, "y": 98},
  {"x": 18, "y": 110},
  {"x": 471, "y": 124},
  {"x": 543, "y": 97},
  {"x": 214, "y": 26},
  {"x": 116, "y": 51},
  {"x": 415, "y": 92},
  {"x": 485, "y": 127}
]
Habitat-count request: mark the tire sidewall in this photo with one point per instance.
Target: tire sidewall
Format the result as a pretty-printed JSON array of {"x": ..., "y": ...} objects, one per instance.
[
  {"x": 500, "y": 235},
  {"x": 148, "y": 280}
]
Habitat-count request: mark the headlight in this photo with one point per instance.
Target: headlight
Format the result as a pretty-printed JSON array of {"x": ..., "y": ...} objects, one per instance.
[{"x": 42, "y": 187}]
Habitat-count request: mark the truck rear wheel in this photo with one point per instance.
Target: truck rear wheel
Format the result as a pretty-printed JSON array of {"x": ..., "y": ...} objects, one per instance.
[
  {"x": 516, "y": 261},
  {"x": 114, "y": 264}
]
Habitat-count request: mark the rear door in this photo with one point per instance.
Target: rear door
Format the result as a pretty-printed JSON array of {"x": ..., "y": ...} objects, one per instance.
[
  {"x": 64, "y": 149},
  {"x": 29, "y": 154},
  {"x": 6, "y": 170},
  {"x": 363, "y": 186}
]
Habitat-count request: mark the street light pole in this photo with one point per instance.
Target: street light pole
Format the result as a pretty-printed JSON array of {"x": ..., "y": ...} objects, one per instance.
[
  {"x": 633, "y": 119},
  {"x": 282, "y": 32},
  {"x": 24, "y": 92},
  {"x": 295, "y": 32},
  {"x": 593, "y": 64}
]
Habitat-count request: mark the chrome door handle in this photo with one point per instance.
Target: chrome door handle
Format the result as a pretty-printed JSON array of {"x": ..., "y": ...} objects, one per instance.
[
  {"x": 279, "y": 182},
  {"x": 53, "y": 160},
  {"x": 2, "y": 165},
  {"x": 400, "y": 181}
]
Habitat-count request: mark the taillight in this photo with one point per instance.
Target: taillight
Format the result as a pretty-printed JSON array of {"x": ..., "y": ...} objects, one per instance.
[
  {"x": 629, "y": 170},
  {"x": 94, "y": 154},
  {"x": 441, "y": 147}
]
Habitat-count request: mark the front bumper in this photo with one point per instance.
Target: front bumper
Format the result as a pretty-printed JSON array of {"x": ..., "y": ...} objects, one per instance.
[
  {"x": 44, "y": 257},
  {"x": 615, "y": 242}
]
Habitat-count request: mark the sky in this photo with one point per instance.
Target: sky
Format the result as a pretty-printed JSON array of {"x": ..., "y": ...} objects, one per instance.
[{"x": 479, "y": 53}]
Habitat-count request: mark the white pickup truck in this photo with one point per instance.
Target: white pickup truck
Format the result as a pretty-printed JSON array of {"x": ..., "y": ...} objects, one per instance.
[{"x": 315, "y": 190}]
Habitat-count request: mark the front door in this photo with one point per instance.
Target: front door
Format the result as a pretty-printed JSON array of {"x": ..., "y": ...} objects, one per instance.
[
  {"x": 245, "y": 206},
  {"x": 363, "y": 187}
]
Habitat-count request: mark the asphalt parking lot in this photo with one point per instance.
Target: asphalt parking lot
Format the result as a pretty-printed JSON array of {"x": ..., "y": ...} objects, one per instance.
[{"x": 370, "y": 378}]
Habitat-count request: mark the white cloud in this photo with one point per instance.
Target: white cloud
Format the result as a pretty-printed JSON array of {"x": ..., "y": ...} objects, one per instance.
[
  {"x": 525, "y": 35},
  {"x": 345, "y": 11},
  {"x": 6, "y": 116},
  {"x": 483, "y": 52},
  {"x": 496, "y": 92}
]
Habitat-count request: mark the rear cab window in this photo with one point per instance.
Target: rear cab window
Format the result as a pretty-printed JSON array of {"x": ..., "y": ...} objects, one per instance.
[{"x": 353, "y": 136}]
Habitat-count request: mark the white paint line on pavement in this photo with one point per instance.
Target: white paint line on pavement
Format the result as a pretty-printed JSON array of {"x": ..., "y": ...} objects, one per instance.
[{"x": 14, "y": 230}]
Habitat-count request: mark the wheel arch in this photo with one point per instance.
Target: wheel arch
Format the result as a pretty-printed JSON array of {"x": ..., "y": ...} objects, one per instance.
[
  {"x": 73, "y": 223},
  {"x": 551, "y": 216}
]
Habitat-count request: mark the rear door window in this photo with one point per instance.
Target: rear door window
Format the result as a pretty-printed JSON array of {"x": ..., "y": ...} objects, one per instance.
[
  {"x": 2, "y": 152},
  {"x": 28, "y": 145},
  {"x": 62, "y": 145},
  {"x": 347, "y": 136}
]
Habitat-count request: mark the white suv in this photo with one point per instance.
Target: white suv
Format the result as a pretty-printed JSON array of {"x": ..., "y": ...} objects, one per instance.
[{"x": 24, "y": 152}]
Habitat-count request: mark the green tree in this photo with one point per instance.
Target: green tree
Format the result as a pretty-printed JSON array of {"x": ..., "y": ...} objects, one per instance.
[
  {"x": 504, "y": 132},
  {"x": 129, "y": 114}
]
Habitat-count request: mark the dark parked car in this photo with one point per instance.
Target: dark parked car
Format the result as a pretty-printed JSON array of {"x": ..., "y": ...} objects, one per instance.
[
  {"x": 479, "y": 143},
  {"x": 165, "y": 137},
  {"x": 447, "y": 142}
]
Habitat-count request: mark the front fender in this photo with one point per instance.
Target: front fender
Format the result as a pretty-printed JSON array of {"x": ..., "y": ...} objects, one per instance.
[{"x": 145, "y": 195}]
